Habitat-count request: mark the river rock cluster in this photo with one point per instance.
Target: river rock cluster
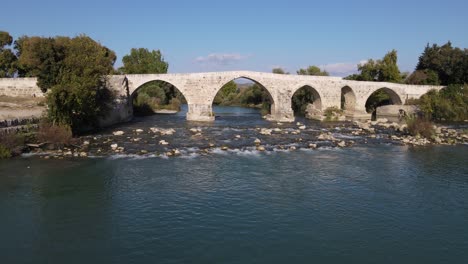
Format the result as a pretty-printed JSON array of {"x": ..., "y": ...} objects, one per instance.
[{"x": 200, "y": 140}]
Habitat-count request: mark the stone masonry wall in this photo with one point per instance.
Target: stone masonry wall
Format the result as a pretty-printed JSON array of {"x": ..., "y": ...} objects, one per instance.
[{"x": 20, "y": 87}]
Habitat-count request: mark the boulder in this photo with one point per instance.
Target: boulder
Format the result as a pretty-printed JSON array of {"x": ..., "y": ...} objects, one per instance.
[{"x": 118, "y": 133}]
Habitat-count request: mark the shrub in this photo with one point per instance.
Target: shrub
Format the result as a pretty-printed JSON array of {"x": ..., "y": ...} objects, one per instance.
[
  {"x": 450, "y": 103},
  {"x": 419, "y": 126},
  {"x": 57, "y": 134},
  {"x": 332, "y": 113},
  {"x": 175, "y": 104},
  {"x": 5, "y": 153},
  {"x": 9, "y": 144}
]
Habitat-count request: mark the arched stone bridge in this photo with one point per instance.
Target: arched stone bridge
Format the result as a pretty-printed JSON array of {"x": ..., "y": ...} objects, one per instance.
[{"x": 200, "y": 89}]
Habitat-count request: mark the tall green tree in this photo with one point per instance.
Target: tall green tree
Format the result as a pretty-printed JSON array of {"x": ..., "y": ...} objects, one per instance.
[
  {"x": 449, "y": 63},
  {"x": 7, "y": 57},
  {"x": 41, "y": 57},
  {"x": 384, "y": 70},
  {"x": 73, "y": 71},
  {"x": 80, "y": 97},
  {"x": 312, "y": 70},
  {"x": 143, "y": 61}
]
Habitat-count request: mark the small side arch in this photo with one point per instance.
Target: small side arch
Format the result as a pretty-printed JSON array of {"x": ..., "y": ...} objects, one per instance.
[
  {"x": 348, "y": 99},
  {"x": 380, "y": 97}
]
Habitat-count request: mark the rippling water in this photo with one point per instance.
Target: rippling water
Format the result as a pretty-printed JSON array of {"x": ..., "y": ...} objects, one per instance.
[{"x": 366, "y": 204}]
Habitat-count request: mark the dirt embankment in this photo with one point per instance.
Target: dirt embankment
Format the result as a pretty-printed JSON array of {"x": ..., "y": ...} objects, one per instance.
[{"x": 21, "y": 107}]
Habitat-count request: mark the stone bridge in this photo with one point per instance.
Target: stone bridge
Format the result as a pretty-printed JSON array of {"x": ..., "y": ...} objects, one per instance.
[{"x": 200, "y": 89}]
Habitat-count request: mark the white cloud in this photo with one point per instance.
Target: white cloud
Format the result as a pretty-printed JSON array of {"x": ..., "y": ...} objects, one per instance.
[{"x": 221, "y": 58}]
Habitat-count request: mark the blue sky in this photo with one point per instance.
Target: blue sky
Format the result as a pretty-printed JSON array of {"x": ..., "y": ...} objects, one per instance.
[{"x": 197, "y": 36}]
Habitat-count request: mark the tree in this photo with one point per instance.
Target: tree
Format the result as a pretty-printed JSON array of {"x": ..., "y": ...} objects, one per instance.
[
  {"x": 312, "y": 70},
  {"x": 448, "y": 104},
  {"x": 5, "y": 39},
  {"x": 449, "y": 63},
  {"x": 389, "y": 71},
  {"x": 226, "y": 93},
  {"x": 78, "y": 94},
  {"x": 279, "y": 71},
  {"x": 7, "y": 57},
  {"x": 153, "y": 95},
  {"x": 384, "y": 70},
  {"x": 423, "y": 77},
  {"x": 143, "y": 61},
  {"x": 42, "y": 58}
]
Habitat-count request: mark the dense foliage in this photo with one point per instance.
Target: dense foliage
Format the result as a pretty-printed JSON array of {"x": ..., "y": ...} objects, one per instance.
[
  {"x": 73, "y": 70},
  {"x": 450, "y": 103},
  {"x": 279, "y": 71},
  {"x": 443, "y": 65},
  {"x": 7, "y": 57},
  {"x": 153, "y": 95},
  {"x": 384, "y": 70},
  {"x": 420, "y": 126},
  {"x": 226, "y": 94},
  {"x": 312, "y": 70},
  {"x": 143, "y": 61},
  {"x": 252, "y": 95}
]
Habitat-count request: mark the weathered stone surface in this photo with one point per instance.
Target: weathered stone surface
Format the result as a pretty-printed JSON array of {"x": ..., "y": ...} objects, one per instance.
[
  {"x": 20, "y": 87},
  {"x": 396, "y": 110},
  {"x": 200, "y": 89}
]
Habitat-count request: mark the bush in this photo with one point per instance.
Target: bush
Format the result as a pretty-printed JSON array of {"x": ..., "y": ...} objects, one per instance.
[
  {"x": 5, "y": 153},
  {"x": 174, "y": 104},
  {"x": 57, "y": 134},
  {"x": 9, "y": 144},
  {"x": 332, "y": 113},
  {"x": 418, "y": 126},
  {"x": 449, "y": 104}
]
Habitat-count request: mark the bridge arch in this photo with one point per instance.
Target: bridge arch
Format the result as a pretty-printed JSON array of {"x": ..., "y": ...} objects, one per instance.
[
  {"x": 382, "y": 96},
  {"x": 266, "y": 91},
  {"x": 306, "y": 98},
  {"x": 348, "y": 99},
  {"x": 154, "y": 93}
]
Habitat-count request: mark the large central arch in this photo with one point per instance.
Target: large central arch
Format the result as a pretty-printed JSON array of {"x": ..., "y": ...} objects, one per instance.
[
  {"x": 164, "y": 93},
  {"x": 253, "y": 80}
]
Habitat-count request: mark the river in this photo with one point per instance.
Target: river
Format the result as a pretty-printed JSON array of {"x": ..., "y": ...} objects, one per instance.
[{"x": 370, "y": 203}]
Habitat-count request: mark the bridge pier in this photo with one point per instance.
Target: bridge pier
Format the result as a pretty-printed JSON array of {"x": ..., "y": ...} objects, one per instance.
[
  {"x": 359, "y": 112},
  {"x": 280, "y": 114},
  {"x": 200, "y": 113}
]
